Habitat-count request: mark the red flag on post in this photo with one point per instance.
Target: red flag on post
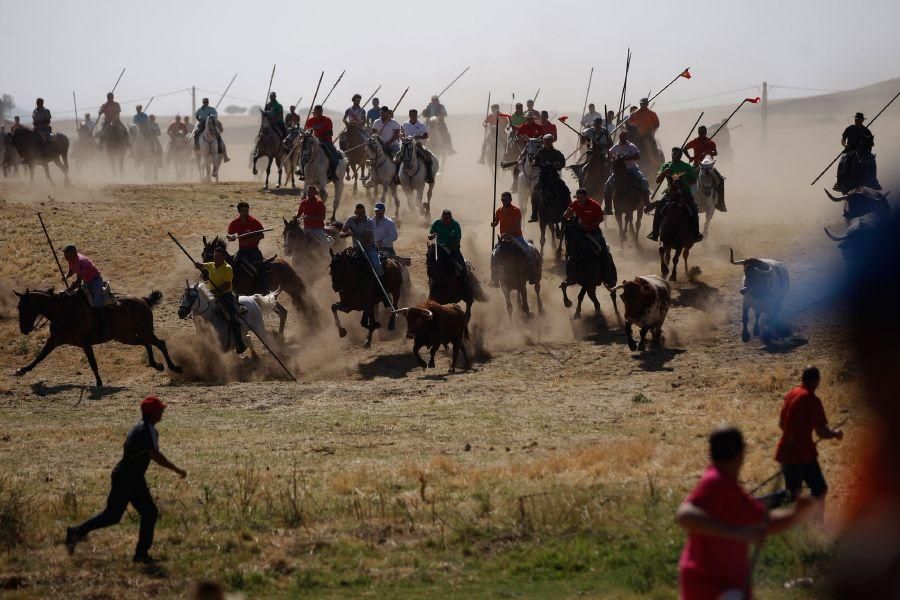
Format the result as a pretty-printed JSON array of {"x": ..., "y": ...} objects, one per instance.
[
  {"x": 564, "y": 118},
  {"x": 752, "y": 100},
  {"x": 686, "y": 74}
]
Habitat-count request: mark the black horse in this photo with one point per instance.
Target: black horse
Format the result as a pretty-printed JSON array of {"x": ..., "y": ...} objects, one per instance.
[
  {"x": 448, "y": 282},
  {"x": 857, "y": 168},
  {"x": 588, "y": 267},
  {"x": 676, "y": 231},
  {"x": 35, "y": 151},
  {"x": 551, "y": 197}
]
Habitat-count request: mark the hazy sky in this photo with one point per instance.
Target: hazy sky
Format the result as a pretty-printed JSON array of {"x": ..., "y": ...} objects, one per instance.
[{"x": 511, "y": 47}]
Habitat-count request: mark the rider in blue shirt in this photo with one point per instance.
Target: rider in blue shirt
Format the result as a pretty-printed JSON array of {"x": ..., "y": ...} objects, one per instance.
[
  {"x": 374, "y": 113},
  {"x": 140, "y": 117}
]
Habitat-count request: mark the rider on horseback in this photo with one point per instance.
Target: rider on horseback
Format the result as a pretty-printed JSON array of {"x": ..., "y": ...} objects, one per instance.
[
  {"x": 630, "y": 153},
  {"x": 354, "y": 124},
  {"x": 530, "y": 129},
  {"x": 490, "y": 123},
  {"x": 323, "y": 129},
  {"x": 858, "y": 141},
  {"x": 249, "y": 232},
  {"x": 447, "y": 234},
  {"x": 177, "y": 128},
  {"x": 219, "y": 274},
  {"x": 374, "y": 113},
  {"x": 518, "y": 118},
  {"x": 275, "y": 112},
  {"x": 643, "y": 123},
  {"x": 87, "y": 278},
  {"x": 531, "y": 110},
  {"x": 40, "y": 118},
  {"x": 590, "y": 116},
  {"x": 681, "y": 177},
  {"x": 88, "y": 124},
  {"x": 596, "y": 138},
  {"x": 509, "y": 219},
  {"x": 436, "y": 109},
  {"x": 384, "y": 231},
  {"x": 547, "y": 125},
  {"x": 418, "y": 131},
  {"x": 703, "y": 147},
  {"x": 548, "y": 157},
  {"x": 312, "y": 212},
  {"x": 140, "y": 118},
  {"x": 292, "y": 119},
  {"x": 589, "y": 214},
  {"x": 202, "y": 114},
  {"x": 360, "y": 227}
]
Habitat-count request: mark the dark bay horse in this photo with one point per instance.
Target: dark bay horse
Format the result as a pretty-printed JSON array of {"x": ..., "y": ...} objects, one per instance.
[
  {"x": 352, "y": 143},
  {"x": 586, "y": 267},
  {"x": 593, "y": 173},
  {"x": 308, "y": 254},
  {"x": 445, "y": 281},
  {"x": 513, "y": 274},
  {"x": 268, "y": 144},
  {"x": 551, "y": 197},
  {"x": 35, "y": 151},
  {"x": 115, "y": 140},
  {"x": 627, "y": 198},
  {"x": 353, "y": 280},
  {"x": 279, "y": 274},
  {"x": 72, "y": 323},
  {"x": 675, "y": 233}
]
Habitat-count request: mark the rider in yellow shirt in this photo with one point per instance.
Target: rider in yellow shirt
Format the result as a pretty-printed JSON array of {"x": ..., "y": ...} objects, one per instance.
[{"x": 220, "y": 276}]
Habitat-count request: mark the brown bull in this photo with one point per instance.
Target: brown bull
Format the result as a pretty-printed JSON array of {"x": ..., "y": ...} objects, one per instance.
[
  {"x": 647, "y": 301},
  {"x": 432, "y": 324}
]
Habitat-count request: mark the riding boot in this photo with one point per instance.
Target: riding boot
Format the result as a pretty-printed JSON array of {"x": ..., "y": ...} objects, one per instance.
[
  {"x": 239, "y": 345},
  {"x": 657, "y": 220}
]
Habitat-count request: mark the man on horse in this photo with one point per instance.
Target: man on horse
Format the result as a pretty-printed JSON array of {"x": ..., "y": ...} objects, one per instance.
[
  {"x": 111, "y": 112},
  {"x": 374, "y": 113},
  {"x": 490, "y": 123},
  {"x": 40, "y": 118},
  {"x": 703, "y": 147},
  {"x": 177, "y": 128},
  {"x": 436, "y": 109},
  {"x": 590, "y": 116},
  {"x": 418, "y": 131},
  {"x": 384, "y": 231},
  {"x": 388, "y": 131},
  {"x": 140, "y": 118},
  {"x": 248, "y": 232},
  {"x": 857, "y": 141},
  {"x": 531, "y": 111},
  {"x": 88, "y": 123},
  {"x": 644, "y": 123},
  {"x": 312, "y": 212},
  {"x": 518, "y": 118},
  {"x": 220, "y": 275},
  {"x": 87, "y": 278},
  {"x": 203, "y": 113},
  {"x": 448, "y": 234},
  {"x": 548, "y": 158},
  {"x": 631, "y": 155},
  {"x": 275, "y": 112},
  {"x": 292, "y": 123},
  {"x": 530, "y": 129},
  {"x": 360, "y": 228},
  {"x": 509, "y": 219},
  {"x": 590, "y": 215},
  {"x": 547, "y": 126},
  {"x": 681, "y": 177},
  {"x": 323, "y": 129}
]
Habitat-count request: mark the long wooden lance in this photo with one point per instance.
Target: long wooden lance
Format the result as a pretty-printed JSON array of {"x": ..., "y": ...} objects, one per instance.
[
  {"x": 377, "y": 278},
  {"x": 311, "y": 104},
  {"x": 402, "y": 96},
  {"x": 75, "y": 102},
  {"x": 62, "y": 273},
  {"x": 686, "y": 74},
  {"x": 683, "y": 144},
  {"x": 624, "y": 87},
  {"x": 341, "y": 76},
  {"x": 496, "y": 159},
  {"x": 237, "y": 313},
  {"x": 372, "y": 96},
  {"x": 536, "y": 94},
  {"x": 586, "y": 94},
  {"x": 112, "y": 91},
  {"x": 228, "y": 87},
  {"x": 452, "y": 82},
  {"x": 149, "y": 103},
  {"x": 842, "y": 152}
]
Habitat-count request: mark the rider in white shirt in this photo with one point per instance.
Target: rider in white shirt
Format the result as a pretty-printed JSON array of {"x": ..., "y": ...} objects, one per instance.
[
  {"x": 418, "y": 131},
  {"x": 388, "y": 131},
  {"x": 624, "y": 149},
  {"x": 385, "y": 230}
]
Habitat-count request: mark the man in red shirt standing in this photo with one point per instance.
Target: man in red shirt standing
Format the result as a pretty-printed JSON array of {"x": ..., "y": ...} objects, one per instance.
[
  {"x": 722, "y": 520},
  {"x": 801, "y": 414},
  {"x": 702, "y": 147},
  {"x": 312, "y": 211},
  {"x": 323, "y": 129},
  {"x": 248, "y": 232}
]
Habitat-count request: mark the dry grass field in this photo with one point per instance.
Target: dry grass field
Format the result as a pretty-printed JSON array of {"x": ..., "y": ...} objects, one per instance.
[{"x": 552, "y": 468}]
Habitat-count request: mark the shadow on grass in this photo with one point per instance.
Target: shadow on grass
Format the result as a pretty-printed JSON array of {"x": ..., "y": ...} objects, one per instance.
[
  {"x": 599, "y": 329},
  {"x": 699, "y": 295},
  {"x": 784, "y": 345},
  {"x": 656, "y": 359},
  {"x": 395, "y": 366},
  {"x": 95, "y": 393}
]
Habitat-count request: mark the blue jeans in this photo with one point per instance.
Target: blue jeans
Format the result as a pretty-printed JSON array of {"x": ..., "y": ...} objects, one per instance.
[
  {"x": 94, "y": 289},
  {"x": 374, "y": 260},
  {"x": 332, "y": 154}
]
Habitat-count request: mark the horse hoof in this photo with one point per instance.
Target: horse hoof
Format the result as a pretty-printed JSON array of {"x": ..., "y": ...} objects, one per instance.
[
  {"x": 673, "y": 277},
  {"x": 177, "y": 369},
  {"x": 745, "y": 337},
  {"x": 567, "y": 303},
  {"x": 158, "y": 367},
  {"x": 21, "y": 371},
  {"x": 368, "y": 344},
  {"x": 342, "y": 332},
  {"x": 576, "y": 316},
  {"x": 632, "y": 346},
  {"x": 641, "y": 347}
]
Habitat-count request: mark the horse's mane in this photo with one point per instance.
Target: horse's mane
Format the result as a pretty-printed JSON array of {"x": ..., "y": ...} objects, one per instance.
[
  {"x": 204, "y": 289},
  {"x": 218, "y": 242}
]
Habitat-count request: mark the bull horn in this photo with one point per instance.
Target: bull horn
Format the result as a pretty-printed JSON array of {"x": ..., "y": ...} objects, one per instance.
[
  {"x": 736, "y": 262},
  {"x": 17, "y": 293},
  {"x": 426, "y": 313},
  {"x": 833, "y": 199},
  {"x": 285, "y": 221},
  {"x": 834, "y": 238},
  {"x": 401, "y": 310}
]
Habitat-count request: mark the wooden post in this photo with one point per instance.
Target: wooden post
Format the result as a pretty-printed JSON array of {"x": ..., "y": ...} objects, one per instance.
[
  {"x": 765, "y": 113},
  {"x": 193, "y": 100}
]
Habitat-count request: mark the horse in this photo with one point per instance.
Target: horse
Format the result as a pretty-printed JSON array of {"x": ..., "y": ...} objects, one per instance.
[
  {"x": 85, "y": 148},
  {"x": 513, "y": 274},
  {"x": 437, "y": 138},
  {"x": 314, "y": 163},
  {"x": 858, "y": 168},
  {"x": 147, "y": 151},
  {"x": 268, "y": 144},
  {"x": 707, "y": 194},
  {"x": 352, "y": 143},
  {"x": 412, "y": 176},
  {"x": 209, "y": 149},
  {"x": 528, "y": 174},
  {"x": 675, "y": 233},
  {"x": 592, "y": 174},
  {"x": 33, "y": 151},
  {"x": 279, "y": 274},
  {"x": 353, "y": 280},
  {"x": 179, "y": 154},
  {"x": 198, "y": 302},
  {"x": 445, "y": 282},
  {"x": 551, "y": 197},
  {"x": 586, "y": 268},
  {"x": 651, "y": 156},
  {"x": 501, "y": 138},
  {"x": 114, "y": 139},
  {"x": 72, "y": 323},
  {"x": 382, "y": 172},
  {"x": 306, "y": 250},
  {"x": 9, "y": 156},
  {"x": 627, "y": 198}
]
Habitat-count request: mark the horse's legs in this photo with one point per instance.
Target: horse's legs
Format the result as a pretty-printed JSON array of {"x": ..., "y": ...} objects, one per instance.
[
  {"x": 334, "y": 308},
  {"x": 506, "y": 296},
  {"x": 709, "y": 216},
  {"x": 151, "y": 360},
  {"x": 637, "y": 226},
  {"x": 523, "y": 298},
  {"x": 49, "y": 345},
  {"x": 621, "y": 228},
  {"x": 63, "y": 168},
  {"x": 663, "y": 260},
  {"x": 282, "y": 317},
  {"x": 161, "y": 344},
  {"x": 47, "y": 173},
  {"x": 369, "y": 314},
  {"x": 674, "y": 275},
  {"x": 580, "y": 299},
  {"x": 537, "y": 294},
  {"x": 428, "y": 206},
  {"x": 592, "y": 294},
  {"x": 684, "y": 255},
  {"x": 543, "y": 237},
  {"x": 566, "y": 302},
  {"x": 92, "y": 360},
  {"x": 268, "y": 170}
]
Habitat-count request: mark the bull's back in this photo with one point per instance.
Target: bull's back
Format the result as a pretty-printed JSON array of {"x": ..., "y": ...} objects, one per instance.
[
  {"x": 659, "y": 304},
  {"x": 775, "y": 289}
]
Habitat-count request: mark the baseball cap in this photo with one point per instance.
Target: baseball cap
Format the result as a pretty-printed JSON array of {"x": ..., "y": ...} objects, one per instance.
[
  {"x": 379, "y": 206},
  {"x": 151, "y": 404}
]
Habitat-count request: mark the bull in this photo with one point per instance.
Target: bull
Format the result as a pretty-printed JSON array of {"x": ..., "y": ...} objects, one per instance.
[
  {"x": 765, "y": 286},
  {"x": 859, "y": 238},
  {"x": 432, "y": 324},
  {"x": 647, "y": 300},
  {"x": 863, "y": 200}
]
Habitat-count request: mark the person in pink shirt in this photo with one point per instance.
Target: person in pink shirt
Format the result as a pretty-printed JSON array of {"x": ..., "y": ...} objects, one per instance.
[
  {"x": 86, "y": 274},
  {"x": 722, "y": 520}
]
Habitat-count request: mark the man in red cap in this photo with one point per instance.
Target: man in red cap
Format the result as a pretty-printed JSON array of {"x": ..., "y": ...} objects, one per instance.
[{"x": 129, "y": 485}]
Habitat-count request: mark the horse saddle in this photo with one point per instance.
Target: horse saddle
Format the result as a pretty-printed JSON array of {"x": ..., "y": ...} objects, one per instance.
[{"x": 109, "y": 299}]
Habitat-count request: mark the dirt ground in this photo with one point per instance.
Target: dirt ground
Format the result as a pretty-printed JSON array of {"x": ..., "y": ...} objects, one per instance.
[{"x": 551, "y": 405}]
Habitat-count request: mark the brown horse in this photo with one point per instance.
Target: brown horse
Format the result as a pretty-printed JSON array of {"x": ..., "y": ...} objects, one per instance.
[
  {"x": 72, "y": 323},
  {"x": 34, "y": 151},
  {"x": 307, "y": 253},
  {"x": 675, "y": 233},
  {"x": 352, "y": 278},
  {"x": 279, "y": 274},
  {"x": 627, "y": 199},
  {"x": 446, "y": 283},
  {"x": 352, "y": 143},
  {"x": 514, "y": 272}
]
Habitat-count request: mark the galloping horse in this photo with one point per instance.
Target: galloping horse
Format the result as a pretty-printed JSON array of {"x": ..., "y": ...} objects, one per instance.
[
  {"x": 147, "y": 151},
  {"x": 593, "y": 173},
  {"x": 551, "y": 197},
  {"x": 412, "y": 176},
  {"x": 72, "y": 323},
  {"x": 586, "y": 267},
  {"x": 314, "y": 163},
  {"x": 352, "y": 143},
  {"x": 707, "y": 195},
  {"x": 209, "y": 149},
  {"x": 627, "y": 198},
  {"x": 528, "y": 174},
  {"x": 513, "y": 273},
  {"x": 35, "y": 151},
  {"x": 382, "y": 172},
  {"x": 437, "y": 139},
  {"x": 353, "y": 280},
  {"x": 179, "y": 154},
  {"x": 307, "y": 252},
  {"x": 445, "y": 281},
  {"x": 675, "y": 233},
  {"x": 114, "y": 139},
  {"x": 268, "y": 144}
]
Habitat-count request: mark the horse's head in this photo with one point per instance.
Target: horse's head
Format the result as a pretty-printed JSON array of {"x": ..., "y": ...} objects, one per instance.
[
  {"x": 342, "y": 269},
  {"x": 532, "y": 146},
  {"x": 30, "y": 307},
  {"x": 618, "y": 166},
  {"x": 188, "y": 300},
  {"x": 407, "y": 150},
  {"x": 291, "y": 235},
  {"x": 210, "y": 246},
  {"x": 373, "y": 146}
]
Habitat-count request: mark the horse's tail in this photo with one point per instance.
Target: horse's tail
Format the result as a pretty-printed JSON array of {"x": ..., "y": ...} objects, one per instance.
[{"x": 153, "y": 298}]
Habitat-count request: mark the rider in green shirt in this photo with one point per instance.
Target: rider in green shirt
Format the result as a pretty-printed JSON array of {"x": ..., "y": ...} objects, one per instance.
[
  {"x": 275, "y": 112},
  {"x": 517, "y": 118},
  {"x": 681, "y": 176}
]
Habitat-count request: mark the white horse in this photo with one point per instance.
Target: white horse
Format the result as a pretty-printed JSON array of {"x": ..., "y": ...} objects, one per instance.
[
  {"x": 382, "y": 171},
  {"x": 199, "y": 302},
  {"x": 209, "y": 149},
  {"x": 412, "y": 176},
  {"x": 308, "y": 153},
  {"x": 528, "y": 173},
  {"x": 707, "y": 195}
]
